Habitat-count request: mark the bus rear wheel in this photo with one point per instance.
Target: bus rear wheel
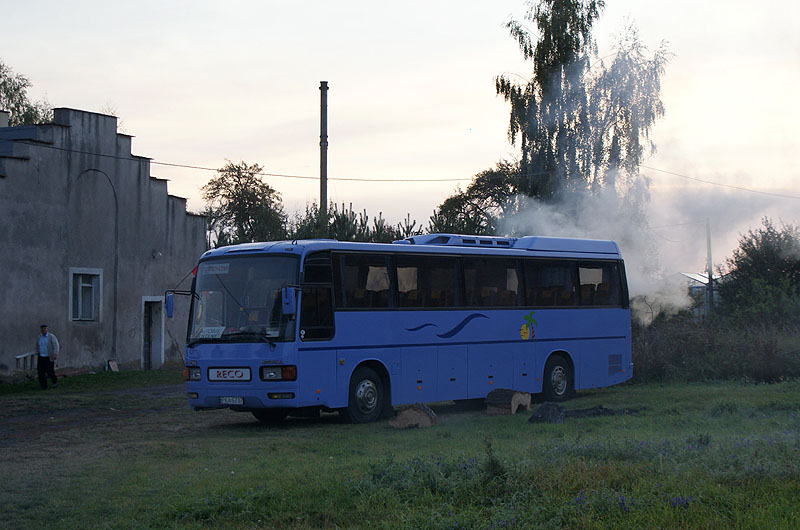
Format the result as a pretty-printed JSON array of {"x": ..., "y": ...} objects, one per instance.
[
  {"x": 366, "y": 398},
  {"x": 270, "y": 415},
  {"x": 558, "y": 379}
]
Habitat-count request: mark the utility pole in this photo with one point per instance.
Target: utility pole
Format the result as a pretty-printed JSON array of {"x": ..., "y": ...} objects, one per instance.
[
  {"x": 323, "y": 152},
  {"x": 710, "y": 269}
]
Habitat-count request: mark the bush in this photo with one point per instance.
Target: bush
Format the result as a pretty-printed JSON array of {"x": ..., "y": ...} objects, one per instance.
[
  {"x": 763, "y": 278},
  {"x": 684, "y": 348}
]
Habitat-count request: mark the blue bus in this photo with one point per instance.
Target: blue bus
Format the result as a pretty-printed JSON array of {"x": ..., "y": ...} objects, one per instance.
[{"x": 298, "y": 327}]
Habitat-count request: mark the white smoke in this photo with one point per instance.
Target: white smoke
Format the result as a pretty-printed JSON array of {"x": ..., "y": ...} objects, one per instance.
[
  {"x": 660, "y": 239},
  {"x": 605, "y": 216}
]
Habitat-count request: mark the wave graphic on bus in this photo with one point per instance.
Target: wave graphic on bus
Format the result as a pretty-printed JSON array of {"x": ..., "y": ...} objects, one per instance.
[{"x": 453, "y": 332}]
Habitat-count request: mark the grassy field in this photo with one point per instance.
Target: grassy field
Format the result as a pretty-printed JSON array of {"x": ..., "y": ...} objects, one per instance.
[{"x": 124, "y": 450}]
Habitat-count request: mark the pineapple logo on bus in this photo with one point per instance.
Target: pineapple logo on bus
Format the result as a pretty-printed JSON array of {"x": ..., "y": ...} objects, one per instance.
[{"x": 527, "y": 331}]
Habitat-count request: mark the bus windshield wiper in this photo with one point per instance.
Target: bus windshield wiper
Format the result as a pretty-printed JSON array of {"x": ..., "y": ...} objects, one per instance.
[{"x": 261, "y": 334}]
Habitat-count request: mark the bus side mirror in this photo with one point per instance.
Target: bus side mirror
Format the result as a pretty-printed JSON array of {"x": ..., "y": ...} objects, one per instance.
[
  {"x": 288, "y": 301},
  {"x": 169, "y": 304}
]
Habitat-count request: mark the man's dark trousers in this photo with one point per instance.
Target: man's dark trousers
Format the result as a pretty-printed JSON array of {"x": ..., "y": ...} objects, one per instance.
[{"x": 45, "y": 368}]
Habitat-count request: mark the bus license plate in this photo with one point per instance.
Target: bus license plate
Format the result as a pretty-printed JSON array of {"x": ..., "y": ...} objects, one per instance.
[{"x": 224, "y": 400}]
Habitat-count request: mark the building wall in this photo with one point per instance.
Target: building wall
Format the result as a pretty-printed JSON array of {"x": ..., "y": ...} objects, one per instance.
[{"x": 74, "y": 201}]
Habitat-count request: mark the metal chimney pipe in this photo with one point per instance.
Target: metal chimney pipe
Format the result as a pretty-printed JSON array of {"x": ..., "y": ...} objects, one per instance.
[
  {"x": 4, "y": 118},
  {"x": 323, "y": 151}
]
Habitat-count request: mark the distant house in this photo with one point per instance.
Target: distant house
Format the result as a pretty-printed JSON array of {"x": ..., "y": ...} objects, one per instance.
[
  {"x": 89, "y": 242},
  {"x": 697, "y": 285}
]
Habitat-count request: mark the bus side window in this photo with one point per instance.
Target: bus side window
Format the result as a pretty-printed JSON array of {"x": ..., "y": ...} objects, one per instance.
[
  {"x": 490, "y": 282},
  {"x": 434, "y": 278},
  {"x": 364, "y": 281},
  {"x": 316, "y": 314},
  {"x": 600, "y": 284},
  {"x": 550, "y": 283},
  {"x": 316, "y": 306}
]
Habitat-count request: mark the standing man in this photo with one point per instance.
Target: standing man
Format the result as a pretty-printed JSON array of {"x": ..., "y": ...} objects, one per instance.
[{"x": 47, "y": 350}]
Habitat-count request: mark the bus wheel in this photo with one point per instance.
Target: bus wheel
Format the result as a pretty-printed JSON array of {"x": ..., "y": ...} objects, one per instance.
[
  {"x": 270, "y": 415},
  {"x": 558, "y": 380},
  {"x": 366, "y": 398}
]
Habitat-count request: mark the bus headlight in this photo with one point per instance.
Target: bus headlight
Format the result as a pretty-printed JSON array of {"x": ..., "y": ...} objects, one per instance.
[
  {"x": 191, "y": 373},
  {"x": 278, "y": 373}
]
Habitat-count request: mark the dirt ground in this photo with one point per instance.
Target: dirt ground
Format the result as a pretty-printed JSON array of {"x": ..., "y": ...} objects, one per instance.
[
  {"x": 62, "y": 426},
  {"x": 55, "y": 430}
]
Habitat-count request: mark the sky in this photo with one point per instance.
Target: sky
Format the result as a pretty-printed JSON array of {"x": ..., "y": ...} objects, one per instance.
[{"x": 412, "y": 97}]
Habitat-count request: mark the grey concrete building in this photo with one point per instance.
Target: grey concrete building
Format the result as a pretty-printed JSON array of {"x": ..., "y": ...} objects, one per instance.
[{"x": 89, "y": 241}]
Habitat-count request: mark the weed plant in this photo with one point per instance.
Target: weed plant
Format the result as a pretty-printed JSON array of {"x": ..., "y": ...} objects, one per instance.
[{"x": 686, "y": 348}]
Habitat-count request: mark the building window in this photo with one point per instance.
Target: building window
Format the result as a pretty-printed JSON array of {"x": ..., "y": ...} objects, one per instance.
[{"x": 86, "y": 294}]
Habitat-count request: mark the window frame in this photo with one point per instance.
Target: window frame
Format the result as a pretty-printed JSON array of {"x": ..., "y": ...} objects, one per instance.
[
  {"x": 458, "y": 282},
  {"x": 522, "y": 265},
  {"x": 97, "y": 294},
  {"x": 306, "y": 289},
  {"x": 518, "y": 297}
]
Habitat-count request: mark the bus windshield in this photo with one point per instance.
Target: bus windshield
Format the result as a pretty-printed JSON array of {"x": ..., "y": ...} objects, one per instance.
[{"x": 239, "y": 300}]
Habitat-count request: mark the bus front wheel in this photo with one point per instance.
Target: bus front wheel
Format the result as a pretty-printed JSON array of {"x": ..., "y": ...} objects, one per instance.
[
  {"x": 270, "y": 415},
  {"x": 366, "y": 398},
  {"x": 558, "y": 379}
]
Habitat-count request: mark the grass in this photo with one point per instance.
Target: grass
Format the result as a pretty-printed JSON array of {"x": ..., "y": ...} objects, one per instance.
[{"x": 695, "y": 456}]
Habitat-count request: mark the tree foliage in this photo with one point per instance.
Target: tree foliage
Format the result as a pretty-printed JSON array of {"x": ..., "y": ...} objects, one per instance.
[
  {"x": 344, "y": 224},
  {"x": 763, "y": 274},
  {"x": 582, "y": 126},
  {"x": 14, "y": 99},
  {"x": 492, "y": 195},
  {"x": 241, "y": 207}
]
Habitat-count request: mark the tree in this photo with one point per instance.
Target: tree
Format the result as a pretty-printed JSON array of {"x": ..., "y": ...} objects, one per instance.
[
  {"x": 241, "y": 207},
  {"x": 458, "y": 214},
  {"x": 344, "y": 224},
  {"x": 490, "y": 196},
  {"x": 581, "y": 128},
  {"x": 763, "y": 275},
  {"x": 14, "y": 99}
]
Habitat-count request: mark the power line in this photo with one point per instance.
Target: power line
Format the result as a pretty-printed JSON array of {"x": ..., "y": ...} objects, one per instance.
[
  {"x": 677, "y": 224},
  {"x": 407, "y": 180},
  {"x": 202, "y": 168},
  {"x": 264, "y": 174},
  {"x": 740, "y": 188},
  {"x": 306, "y": 177}
]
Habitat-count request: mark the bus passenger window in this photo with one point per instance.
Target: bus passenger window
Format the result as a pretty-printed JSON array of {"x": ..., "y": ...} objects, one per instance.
[
  {"x": 600, "y": 284},
  {"x": 426, "y": 281},
  {"x": 550, "y": 283},
  {"x": 490, "y": 282},
  {"x": 364, "y": 282}
]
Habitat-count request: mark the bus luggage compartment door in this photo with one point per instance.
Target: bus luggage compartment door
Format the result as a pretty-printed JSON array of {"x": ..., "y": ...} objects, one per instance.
[{"x": 451, "y": 373}]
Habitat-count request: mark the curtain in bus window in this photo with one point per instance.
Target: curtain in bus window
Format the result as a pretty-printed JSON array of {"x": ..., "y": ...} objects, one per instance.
[
  {"x": 490, "y": 282},
  {"x": 426, "y": 281},
  {"x": 599, "y": 284},
  {"x": 364, "y": 281},
  {"x": 550, "y": 283}
]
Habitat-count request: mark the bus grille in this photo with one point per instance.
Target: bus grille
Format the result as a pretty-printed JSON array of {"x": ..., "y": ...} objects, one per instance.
[{"x": 614, "y": 364}]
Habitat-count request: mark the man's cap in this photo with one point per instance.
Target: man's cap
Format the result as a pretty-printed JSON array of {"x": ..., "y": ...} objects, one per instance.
[{"x": 43, "y": 326}]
